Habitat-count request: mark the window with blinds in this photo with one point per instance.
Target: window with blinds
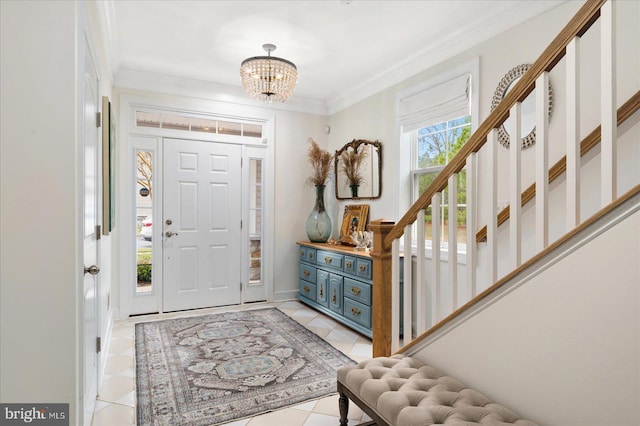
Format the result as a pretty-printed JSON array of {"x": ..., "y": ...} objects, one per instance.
[{"x": 436, "y": 121}]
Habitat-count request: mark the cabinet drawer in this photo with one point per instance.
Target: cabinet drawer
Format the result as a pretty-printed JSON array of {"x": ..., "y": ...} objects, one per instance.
[
  {"x": 357, "y": 312},
  {"x": 307, "y": 272},
  {"x": 363, "y": 268},
  {"x": 350, "y": 265},
  {"x": 308, "y": 290},
  {"x": 357, "y": 290},
  {"x": 307, "y": 254},
  {"x": 330, "y": 260}
]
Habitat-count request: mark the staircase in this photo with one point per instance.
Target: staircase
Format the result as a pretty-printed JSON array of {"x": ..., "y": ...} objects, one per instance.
[{"x": 547, "y": 317}]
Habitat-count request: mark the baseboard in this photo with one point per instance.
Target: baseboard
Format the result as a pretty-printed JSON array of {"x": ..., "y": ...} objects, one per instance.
[{"x": 283, "y": 296}]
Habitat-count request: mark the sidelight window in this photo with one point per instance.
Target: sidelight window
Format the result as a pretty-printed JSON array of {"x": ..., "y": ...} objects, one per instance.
[
  {"x": 255, "y": 220},
  {"x": 144, "y": 220}
]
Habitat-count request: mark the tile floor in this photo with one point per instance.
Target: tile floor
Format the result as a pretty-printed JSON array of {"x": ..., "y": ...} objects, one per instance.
[{"x": 117, "y": 399}]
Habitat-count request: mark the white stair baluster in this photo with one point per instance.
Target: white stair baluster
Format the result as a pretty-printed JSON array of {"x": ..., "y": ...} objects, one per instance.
[
  {"x": 573, "y": 133},
  {"x": 471, "y": 223},
  {"x": 422, "y": 295},
  {"x": 407, "y": 302},
  {"x": 453, "y": 239},
  {"x": 542, "y": 161},
  {"x": 608, "y": 144},
  {"x": 492, "y": 207},
  {"x": 395, "y": 295},
  {"x": 515, "y": 190},
  {"x": 435, "y": 254}
]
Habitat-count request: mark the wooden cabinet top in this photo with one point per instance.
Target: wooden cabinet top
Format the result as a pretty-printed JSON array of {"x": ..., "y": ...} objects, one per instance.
[{"x": 339, "y": 248}]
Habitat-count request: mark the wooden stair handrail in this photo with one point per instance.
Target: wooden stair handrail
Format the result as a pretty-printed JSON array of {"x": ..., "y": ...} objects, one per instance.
[
  {"x": 589, "y": 142},
  {"x": 577, "y": 26}
]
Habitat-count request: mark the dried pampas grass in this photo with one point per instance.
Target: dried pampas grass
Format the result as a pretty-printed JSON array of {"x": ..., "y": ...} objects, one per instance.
[
  {"x": 350, "y": 165},
  {"x": 320, "y": 161}
]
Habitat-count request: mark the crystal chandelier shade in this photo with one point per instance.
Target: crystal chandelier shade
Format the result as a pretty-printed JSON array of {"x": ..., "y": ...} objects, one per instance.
[{"x": 268, "y": 78}]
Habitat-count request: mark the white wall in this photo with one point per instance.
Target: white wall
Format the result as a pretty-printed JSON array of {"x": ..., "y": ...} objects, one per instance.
[
  {"x": 39, "y": 207},
  {"x": 374, "y": 117},
  {"x": 294, "y": 199},
  {"x": 563, "y": 348},
  {"x": 41, "y": 198}
]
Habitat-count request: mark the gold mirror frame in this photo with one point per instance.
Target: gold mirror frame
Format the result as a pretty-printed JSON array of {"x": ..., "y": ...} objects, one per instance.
[
  {"x": 505, "y": 84},
  {"x": 372, "y": 165}
]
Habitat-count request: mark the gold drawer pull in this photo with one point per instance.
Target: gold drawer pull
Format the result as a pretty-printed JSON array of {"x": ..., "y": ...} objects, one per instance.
[
  {"x": 334, "y": 299},
  {"x": 348, "y": 263},
  {"x": 306, "y": 289},
  {"x": 355, "y": 290},
  {"x": 321, "y": 292},
  {"x": 363, "y": 268},
  {"x": 327, "y": 260},
  {"x": 355, "y": 311},
  {"x": 310, "y": 255},
  {"x": 306, "y": 273},
  {"x": 302, "y": 253}
]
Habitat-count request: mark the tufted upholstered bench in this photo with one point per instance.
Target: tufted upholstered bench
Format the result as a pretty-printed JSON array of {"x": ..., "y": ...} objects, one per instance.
[{"x": 402, "y": 391}]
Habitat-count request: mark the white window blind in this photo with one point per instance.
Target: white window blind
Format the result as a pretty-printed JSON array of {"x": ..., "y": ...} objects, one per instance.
[{"x": 436, "y": 104}]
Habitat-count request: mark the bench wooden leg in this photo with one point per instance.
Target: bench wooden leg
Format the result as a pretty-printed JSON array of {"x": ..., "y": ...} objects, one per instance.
[{"x": 343, "y": 405}]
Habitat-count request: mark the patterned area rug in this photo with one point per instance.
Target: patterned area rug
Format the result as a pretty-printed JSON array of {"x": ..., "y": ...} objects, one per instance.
[{"x": 217, "y": 368}]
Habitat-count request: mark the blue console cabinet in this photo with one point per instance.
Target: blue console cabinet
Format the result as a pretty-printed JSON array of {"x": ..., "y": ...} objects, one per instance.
[{"x": 337, "y": 280}]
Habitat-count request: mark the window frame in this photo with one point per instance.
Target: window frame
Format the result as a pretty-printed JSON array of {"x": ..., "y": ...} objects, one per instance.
[{"x": 407, "y": 148}]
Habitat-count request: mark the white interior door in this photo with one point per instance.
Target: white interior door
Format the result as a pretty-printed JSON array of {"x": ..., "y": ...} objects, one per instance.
[
  {"x": 201, "y": 224},
  {"x": 90, "y": 236}
]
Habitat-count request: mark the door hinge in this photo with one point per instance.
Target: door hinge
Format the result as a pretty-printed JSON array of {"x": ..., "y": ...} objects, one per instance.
[
  {"x": 98, "y": 232},
  {"x": 241, "y": 162},
  {"x": 98, "y": 344},
  {"x": 98, "y": 119},
  {"x": 240, "y": 285},
  {"x": 240, "y": 223}
]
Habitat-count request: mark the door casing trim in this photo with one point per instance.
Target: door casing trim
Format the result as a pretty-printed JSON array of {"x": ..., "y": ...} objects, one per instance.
[{"x": 129, "y": 133}]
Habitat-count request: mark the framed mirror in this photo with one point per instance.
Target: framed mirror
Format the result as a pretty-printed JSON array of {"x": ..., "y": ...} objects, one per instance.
[
  {"x": 528, "y": 108},
  {"x": 358, "y": 170}
]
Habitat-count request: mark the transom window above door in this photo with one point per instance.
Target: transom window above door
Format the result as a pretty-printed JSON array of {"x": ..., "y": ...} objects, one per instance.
[{"x": 171, "y": 120}]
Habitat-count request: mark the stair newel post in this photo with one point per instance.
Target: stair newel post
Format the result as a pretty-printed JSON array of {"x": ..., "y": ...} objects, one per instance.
[{"x": 382, "y": 302}]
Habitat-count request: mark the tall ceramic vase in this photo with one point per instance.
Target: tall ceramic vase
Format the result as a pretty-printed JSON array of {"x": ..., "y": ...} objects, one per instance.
[{"x": 319, "y": 222}]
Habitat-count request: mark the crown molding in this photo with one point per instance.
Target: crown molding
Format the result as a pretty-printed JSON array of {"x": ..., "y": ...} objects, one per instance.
[
  {"x": 456, "y": 43},
  {"x": 171, "y": 85},
  {"x": 444, "y": 49}
]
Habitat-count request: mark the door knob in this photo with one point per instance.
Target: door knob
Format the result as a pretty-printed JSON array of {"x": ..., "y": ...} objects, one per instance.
[
  {"x": 93, "y": 269},
  {"x": 170, "y": 234}
]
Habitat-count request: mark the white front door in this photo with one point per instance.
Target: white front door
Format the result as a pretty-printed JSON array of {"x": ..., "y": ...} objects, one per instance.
[
  {"x": 90, "y": 236},
  {"x": 201, "y": 224}
]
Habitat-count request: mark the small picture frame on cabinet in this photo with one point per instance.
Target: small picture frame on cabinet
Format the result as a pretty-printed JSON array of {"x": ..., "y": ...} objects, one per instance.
[{"x": 355, "y": 218}]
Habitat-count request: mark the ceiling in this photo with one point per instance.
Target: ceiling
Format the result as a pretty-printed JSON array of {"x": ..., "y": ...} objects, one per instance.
[{"x": 342, "y": 48}]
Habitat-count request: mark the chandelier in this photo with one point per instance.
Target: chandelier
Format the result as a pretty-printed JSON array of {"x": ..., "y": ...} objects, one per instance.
[{"x": 268, "y": 78}]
